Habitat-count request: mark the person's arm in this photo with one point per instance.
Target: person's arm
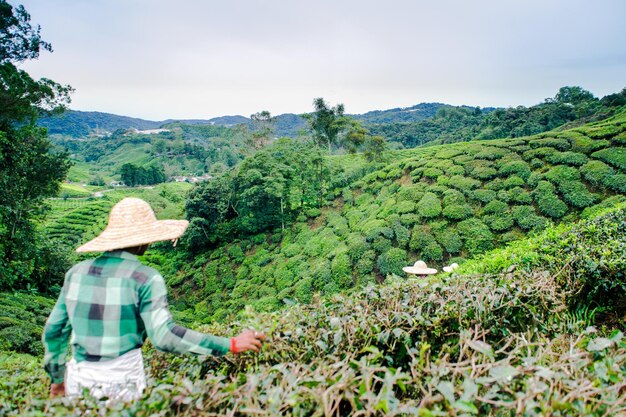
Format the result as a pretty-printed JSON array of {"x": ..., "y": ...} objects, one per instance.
[
  {"x": 164, "y": 333},
  {"x": 55, "y": 339}
]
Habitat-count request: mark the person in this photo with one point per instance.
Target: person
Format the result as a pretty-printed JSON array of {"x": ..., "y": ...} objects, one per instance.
[
  {"x": 109, "y": 305},
  {"x": 419, "y": 269}
]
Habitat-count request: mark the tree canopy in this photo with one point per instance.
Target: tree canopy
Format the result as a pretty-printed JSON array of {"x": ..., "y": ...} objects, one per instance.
[{"x": 29, "y": 171}]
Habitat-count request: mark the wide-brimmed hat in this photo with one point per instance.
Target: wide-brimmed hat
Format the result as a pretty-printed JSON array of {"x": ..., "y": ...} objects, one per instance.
[
  {"x": 133, "y": 223},
  {"x": 419, "y": 268},
  {"x": 451, "y": 268}
]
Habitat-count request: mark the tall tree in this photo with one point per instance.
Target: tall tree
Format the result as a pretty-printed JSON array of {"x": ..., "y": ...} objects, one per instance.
[
  {"x": 262, "y": 130},
  {"x": 29, "y": 171},
  {"x": 326, "y": 123}
]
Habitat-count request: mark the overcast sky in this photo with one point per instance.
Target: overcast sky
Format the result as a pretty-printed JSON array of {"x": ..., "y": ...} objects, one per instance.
[{"x": 159, "y": 59}]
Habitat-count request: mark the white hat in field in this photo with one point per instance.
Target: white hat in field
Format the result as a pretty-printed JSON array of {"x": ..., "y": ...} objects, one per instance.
[
  {"x": 419, "y": 268},
  {"x": 133, "y": 223},
  {"x": 451, "y": 268}
]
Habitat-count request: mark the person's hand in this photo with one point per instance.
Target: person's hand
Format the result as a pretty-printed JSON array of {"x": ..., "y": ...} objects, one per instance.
[
  {"x": 57, "y": 390},
  {"x": 247, "y": 340}
]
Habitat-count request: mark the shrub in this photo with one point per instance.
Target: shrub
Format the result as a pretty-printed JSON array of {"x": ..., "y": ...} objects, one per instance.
[
  {"x": 357, "y": 246},
  {"x": 341, "y": 268},
  {"x": 381, "y": 244},
  {"x": 491, "y": 153},
  {"x": 576, "y": 194},
  {"x": 402, "y": 234},
  {"x": 303, "y": 290},
  {"x": 432, "y": 173},
  {"x": 476, "y": 235},
  {"x": 536, "y": 163},
  {"x": 432, "y": 252},
  {"x": 615, "y": 157},
  {"x": 568, "y": 158},
  {"x": 420, "y": 237},
  {"x": 405, "y": 207},
  {"x": 586, "y": 145},
  {"x": 596, "y": 172},
  {"x": 410, "y": 192},
  {"x": 457, "y": 211},
  {"x": 562, "y": 173},
  {"x": 453, "y": 197},
  {"x": 365, "y": 264},
  {"x": 601, "y": 132},
  {"x": 527, "y": 219},
  {"x": 429, "y": 206},
  {"x": 455, "y": 170},
  {"x": 483, "y": 195},
  {"x": 513, "y": 181},
  {"x": 538, "y": 153},
  {"x": 499, "y": 222},
  {"x": 495, "y": 207},
  {"x": 616, "y": 182},
  {"x": 450, "y": 240},
  {"x": 392, "y": 261},
  {"x": 519, "y": 168},
  {"x": 484, "y": 173},
  {"x": 560, "y": 144},
  {"x": 463, "y": 183},
  {"x": 547, "y": 201}
]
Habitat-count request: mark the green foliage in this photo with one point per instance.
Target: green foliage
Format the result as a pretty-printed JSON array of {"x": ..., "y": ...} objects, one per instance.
[
  {"x": 476, "y": 235},
  {"x": 429, "y": 205},
  {"x": 568, "y": 158},
  {"x": 576, "y": 194},
  {"x": 450, "y": 240},
  {"x": 527, "y": 219},
  {"x": 519, "y": 168},
  {"x": 615, "y": 157},
  {"x": 596, "y": 172},
  {"x": 457, "y": 211},
  {"x": 137, "y": 175},
  {"x": 392, "y": 261},
  {"x": 484, "y": 196},
  {"x": 588, "y": 257},
  {"x": 21, "y": 324},
  {"x": 547, "y": 200}
]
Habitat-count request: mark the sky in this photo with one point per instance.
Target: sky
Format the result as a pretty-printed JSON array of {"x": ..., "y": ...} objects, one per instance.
[{"x": 186, "y": 59}]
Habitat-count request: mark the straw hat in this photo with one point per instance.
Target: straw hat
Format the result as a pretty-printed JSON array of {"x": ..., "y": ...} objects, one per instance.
[
  {"x": 451, "y": 268},
  {"x": 133, "y": 223},
  {"x": 419, "y": 268}
]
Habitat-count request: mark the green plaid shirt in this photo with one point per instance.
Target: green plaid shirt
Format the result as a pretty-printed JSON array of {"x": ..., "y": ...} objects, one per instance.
[{"x": 107, "y": 307}]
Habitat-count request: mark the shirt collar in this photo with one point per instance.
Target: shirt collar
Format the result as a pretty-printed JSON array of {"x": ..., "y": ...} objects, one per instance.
[{"x": 120, "y": 254}]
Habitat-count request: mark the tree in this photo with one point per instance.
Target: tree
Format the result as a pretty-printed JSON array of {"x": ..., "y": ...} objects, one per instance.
[
  {"x": 29, "y": 171},
  {"x": 262, "y": 130},
  {"x": 326, "y": 123}
]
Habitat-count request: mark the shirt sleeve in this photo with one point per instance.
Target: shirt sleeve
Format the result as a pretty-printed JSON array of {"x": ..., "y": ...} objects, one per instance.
[
  {"x": 164, "y": 333},
  {"x": 56, "y": 335}
]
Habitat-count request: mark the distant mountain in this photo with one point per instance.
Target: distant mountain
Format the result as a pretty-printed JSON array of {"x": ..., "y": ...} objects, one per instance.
[
  {"x": 76, "y": 123},
  {"x": 400, "y": 114}
]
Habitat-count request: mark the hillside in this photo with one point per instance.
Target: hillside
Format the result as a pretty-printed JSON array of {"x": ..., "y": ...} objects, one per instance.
[
  {"x": 441, "y": 204},
  {"x": 77, "y": 124},
  {"x": 509, "y": 343},
  {"x": 571, "y": 106}
]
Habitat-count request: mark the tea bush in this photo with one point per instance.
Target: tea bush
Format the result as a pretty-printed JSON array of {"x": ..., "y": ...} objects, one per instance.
[
  {"x": 429, "y": 205},
  {"x": 596, "y": 172},
  {"x": 613, "y": 156},
  {"x": 547, "y": 201}
]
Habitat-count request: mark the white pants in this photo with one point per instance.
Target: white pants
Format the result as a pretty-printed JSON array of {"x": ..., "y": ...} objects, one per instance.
[{"x": 120, "y": 379}]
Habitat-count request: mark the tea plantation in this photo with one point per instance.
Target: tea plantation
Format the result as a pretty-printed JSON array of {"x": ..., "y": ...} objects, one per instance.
[
  {"x": 492, "y": 344},
  {"x": 441, "y": 204}
]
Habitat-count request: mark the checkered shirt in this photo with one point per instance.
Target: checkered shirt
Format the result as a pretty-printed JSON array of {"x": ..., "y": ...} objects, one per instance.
[{"x": 106, "y": 308}]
